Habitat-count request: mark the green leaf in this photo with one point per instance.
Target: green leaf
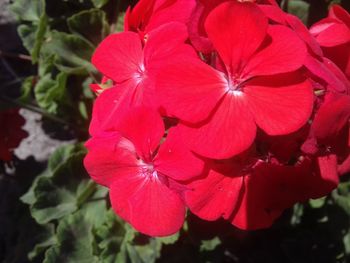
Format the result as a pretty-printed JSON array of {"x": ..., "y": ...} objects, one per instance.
[
  {"x": 57, "y": 160},
  {"x": 74, "y": 241},
  {"x": 51, "y": 94},
  {"x": 26, "y": 89},
  {"x": 119, "y": 26},
  {"x": 300, "y": 9},
  {"x": 170, "y": 239},
  {"x": 40, "y": 34},
  {"x": 99, "y": 3},
  {"x": 46, "y": 65},
  {"x": 111, "y": 238},
  {"x": 341, "y": 196},
  {"x": 53, "y": 201},
  {"x": 94, "y": 206},
  {"x": 62, "y": 154},
  {"x": 62, "y": 189},
  {"x": 89, "y": 24},
  {"x": 83, "y": 110},
  {"x": 72, "y": 53},
  {"x": 32, "y": 34},
  {"x": 28, "y": 10},
  {"x": 86, "y": 88},
  {"x": 118, "y": 242},
  {"x": 210, "y": 245},
  {"x": 45, "y": 240},
  {"x": 145, "y": 253},
  {"x": 298, "y": 212},
  {"x": 27, "y": 34},
  {"x": 29, "y": 197},
  {"x": 317, "y": 203}
]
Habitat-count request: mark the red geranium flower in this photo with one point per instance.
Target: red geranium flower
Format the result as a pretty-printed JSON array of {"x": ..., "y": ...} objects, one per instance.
[
  {"x": 329, "y": 129},
  {"x": 333, "y": 34},
  {"x": 140, "y": 172},
  {"x": 252, "y": 195},
  {"x": 132, "y": 65},
  {"x": 221, "y": 110},
  {"x": 148, "y": 15},
  {"x": 197, "y": 32}
]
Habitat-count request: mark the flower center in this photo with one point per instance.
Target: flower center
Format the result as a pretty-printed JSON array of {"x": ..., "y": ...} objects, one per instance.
[
  {"x": 234, "y": 86},
  {"x": 140, "y": 73},
  {"x": 148, "y": 170}
]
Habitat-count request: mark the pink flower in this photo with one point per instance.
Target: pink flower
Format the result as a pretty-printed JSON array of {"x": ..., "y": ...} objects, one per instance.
[
  {"x": 140, "y": 172},
  {"x": 220, "y": 110}
]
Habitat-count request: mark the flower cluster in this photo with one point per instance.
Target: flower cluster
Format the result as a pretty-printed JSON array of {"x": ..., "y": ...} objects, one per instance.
[
  {"x": 229, "y": 108},
  {"x": 11, "y": 132}
]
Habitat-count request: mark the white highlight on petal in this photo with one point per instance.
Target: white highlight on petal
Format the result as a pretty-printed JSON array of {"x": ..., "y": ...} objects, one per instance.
[
  {"x": 236, "y": 93},
  {"x": 127, "y": 145}
]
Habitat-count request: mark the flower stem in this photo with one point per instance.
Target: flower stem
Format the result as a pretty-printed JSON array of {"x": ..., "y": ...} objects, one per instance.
[
  {"x": 90, "y": 189},
  {"x": 33, "y": 109}
]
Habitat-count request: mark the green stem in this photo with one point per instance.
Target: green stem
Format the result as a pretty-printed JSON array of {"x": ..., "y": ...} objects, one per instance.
[
  {"x": 33, "y": 109},
  {"x": 90, "y": 189}
]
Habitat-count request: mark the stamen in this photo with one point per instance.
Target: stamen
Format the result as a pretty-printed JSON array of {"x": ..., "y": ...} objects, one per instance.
[
  {"x": 234, "y": 86},
  {"x": 140, "y": 73},
  {"x": 148, "y": 170}
]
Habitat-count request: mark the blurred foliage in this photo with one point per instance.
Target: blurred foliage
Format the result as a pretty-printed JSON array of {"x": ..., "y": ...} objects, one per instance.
[{"x": 73, "y": 220}]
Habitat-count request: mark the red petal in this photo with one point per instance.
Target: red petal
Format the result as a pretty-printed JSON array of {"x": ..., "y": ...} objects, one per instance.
[
  {"x": 340, "y": 55},
  {"x": 158, "y": 49},
  {"x": 170, "y": 11},
  {"x": 285, "y": 53},
  {"x": 274, "y": 13},
  {"x": 272, "y": 188},
  {"x": 327, "y": 179},
  {"x": 229, "y": 131},
  {"x": 280, "y": 111},
  {"x": 302, "y": 31},
  {"x": 159, "y": 45},
  {"x": 322, "y": 70},
  {"x": 119, "y": 56},
  {"x": 267, "y": 192},
  {"x": 109, "y": 156},
  {"x": 340, "y": 13},
  {"x": 198, "y": 35},
  {"x": 236, "y": 30},
  {"x": 175, "y": 160},
  {"x": 138, "y": 17},
  {"x": 332, "y": 116},
  {"x": 329, "y": 33},
  {"x": 338, "y": 73},
  {"x": 148, "y": 205},
  {"x": 344, "y": 167},
  {"x": 189, "y": 89},
  {"x": 110, "y": 107},
  {"x": 216, "y": 195},
  {"x": 144, "y": 128}
]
